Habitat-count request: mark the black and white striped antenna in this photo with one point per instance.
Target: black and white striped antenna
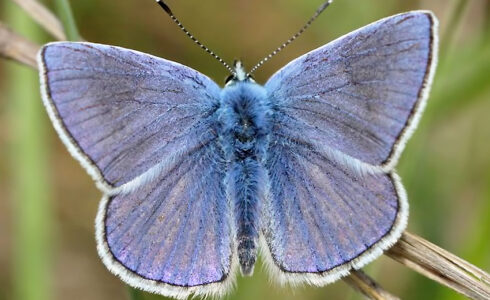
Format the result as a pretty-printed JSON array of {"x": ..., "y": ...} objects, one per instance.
[
  {"x": 176, "y": 21},
  {"x": 294, "y": 37}
]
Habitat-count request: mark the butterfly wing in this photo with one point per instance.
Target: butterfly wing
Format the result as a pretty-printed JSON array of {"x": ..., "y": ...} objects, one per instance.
[
  {"x": 360, "y": 96},
  {"x": 143, "y": 128},
  {"x": 172, "y": 235},
  {"x": 343, "y": 113},
  {"x": 322, "y": 218},
  {"x": 121, "y": 112}
]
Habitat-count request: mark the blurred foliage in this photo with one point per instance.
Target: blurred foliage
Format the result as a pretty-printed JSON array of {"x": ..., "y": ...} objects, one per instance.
[
  {"x": 47, "y": 248},
  {"x": 30, "y": 190}
]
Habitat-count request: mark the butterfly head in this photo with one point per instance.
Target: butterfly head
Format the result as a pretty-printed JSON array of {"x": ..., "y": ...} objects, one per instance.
[{"x": 239, "y": 74}]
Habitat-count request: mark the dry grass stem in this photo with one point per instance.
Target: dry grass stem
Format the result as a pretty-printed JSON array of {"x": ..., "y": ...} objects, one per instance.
[
  {"x": 441, "y": 266},
  {"x": 43, "y": 17},
  {"x": 364, "y": 284},
  {"x": 17, "y": 48}
]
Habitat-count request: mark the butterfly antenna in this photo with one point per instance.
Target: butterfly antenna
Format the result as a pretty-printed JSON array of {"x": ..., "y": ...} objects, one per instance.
[
  {"x": 176, "y": 21},
  {"x": 294, "y": 37}
]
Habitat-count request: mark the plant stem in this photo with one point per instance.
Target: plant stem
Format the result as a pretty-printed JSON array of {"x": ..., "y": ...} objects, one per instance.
[
  {"x": 43, "y": 17},
  {"x": 17, "y": 48},
  {"x": 66, "y": 16},
  {"x": 364, "y": 284},
  {"x": 441, "y": 266},
  {"x": 31, "y": 192}
]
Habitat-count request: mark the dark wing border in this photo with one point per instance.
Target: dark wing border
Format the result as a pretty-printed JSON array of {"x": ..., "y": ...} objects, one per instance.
[
  {"x": 60, "y": 127},
  {"x": 370, "y": 254},
  {"x": 215, "y": 289},
  {"x": 423, "y": 94}
]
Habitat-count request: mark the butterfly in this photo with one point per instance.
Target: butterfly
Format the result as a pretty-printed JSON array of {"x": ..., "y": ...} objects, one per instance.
[{"x": 197, "y": 179}]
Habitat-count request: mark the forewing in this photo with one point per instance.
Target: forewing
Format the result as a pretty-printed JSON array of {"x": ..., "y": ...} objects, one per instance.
[
  {"x": 172, "y": 236},
  {"x": 362, "y": 94},
  {"x": 323, "y": 219},
  {"x": 121, "y": 112}
]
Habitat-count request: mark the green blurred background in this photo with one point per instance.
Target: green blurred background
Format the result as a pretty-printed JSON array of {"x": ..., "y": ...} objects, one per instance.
[{"x": 48, "y": 203}]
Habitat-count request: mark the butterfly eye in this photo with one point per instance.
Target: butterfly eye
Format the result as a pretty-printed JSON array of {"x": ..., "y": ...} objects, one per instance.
[
  {"x": 229, "y": 78},
  {"x": 251, "y": 78}
]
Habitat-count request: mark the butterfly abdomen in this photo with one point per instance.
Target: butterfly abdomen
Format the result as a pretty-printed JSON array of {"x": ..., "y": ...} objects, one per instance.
[
  {"x": 244, "y": 188},
  {"x": 244, "y": 122}
]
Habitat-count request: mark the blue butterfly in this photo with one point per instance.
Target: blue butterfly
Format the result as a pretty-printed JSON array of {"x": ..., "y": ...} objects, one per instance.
[{"x": 197, "y": 178}]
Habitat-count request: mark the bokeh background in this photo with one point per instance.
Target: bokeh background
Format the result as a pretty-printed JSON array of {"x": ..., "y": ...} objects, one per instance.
[{"x": 48, "y": 203}]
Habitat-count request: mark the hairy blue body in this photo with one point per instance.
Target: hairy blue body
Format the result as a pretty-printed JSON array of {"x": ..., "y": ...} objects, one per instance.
[{"x": 244, "y": 126}]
